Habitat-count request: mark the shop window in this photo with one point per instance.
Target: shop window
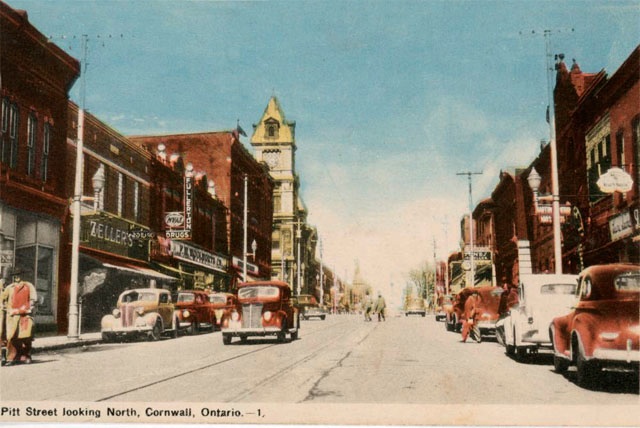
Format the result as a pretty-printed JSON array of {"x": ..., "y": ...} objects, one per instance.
[
  {"x": 46, "y": 141},
  {"x": 32, "y": 132}
]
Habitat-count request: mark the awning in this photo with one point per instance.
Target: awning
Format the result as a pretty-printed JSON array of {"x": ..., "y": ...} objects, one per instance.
[{"x": 140, "y": 270}]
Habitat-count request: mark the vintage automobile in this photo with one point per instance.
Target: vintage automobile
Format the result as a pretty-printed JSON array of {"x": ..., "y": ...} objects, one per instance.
[
  {"x": 141, "y": 312},
  {"x": 313, "y": 311},
  {"x": 264, "y": 308},
  {"x": 222, "y": 303},
  {"x": 415, "y": 305},
  {"x": 603, "y": 329},
  {"x": 488, "y": 308},
  {"x": 445, "y": 304},
  {"x": 541, "y": 297},
  {"x": 195, "y": 311},
  {"x": 454, "y": 312}
]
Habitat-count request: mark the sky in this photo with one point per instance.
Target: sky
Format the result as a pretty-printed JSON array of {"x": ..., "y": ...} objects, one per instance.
[{"x": 391, "y": 99}]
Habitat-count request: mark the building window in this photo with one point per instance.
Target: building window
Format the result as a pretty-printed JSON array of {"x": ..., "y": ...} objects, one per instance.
[
  {"x": 598, "y": 146},
  {"x": 277, "y": 205},
  {"x": 32, "y": 132},
  {"x": 46, "y": 140},
  {"x": 636, "y": 150},
  {"x": 120, "y": 194},
  {"x": 9, "y": 143},
  {"x": 136, "y": 200}
]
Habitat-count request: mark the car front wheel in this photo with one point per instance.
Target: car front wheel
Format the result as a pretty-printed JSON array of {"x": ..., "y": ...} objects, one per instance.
[
  {"x": 226, "y": 339},
  {"x": 560, "y": 365},
  {"x": 155, "y": 333}
]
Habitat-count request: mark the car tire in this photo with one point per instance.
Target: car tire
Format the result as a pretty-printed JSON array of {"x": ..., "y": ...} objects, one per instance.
[
  {"x": 282, "y": 334},
  {"x": 106, "y": 337},
  {"x": 243, "y": 339},
  {"x": 226, "y": 339},
  {"x": 587, "y": 370},
  {"x": 294, "y": 335},
  {"x": 156, "y": 331},
  {"x": 176, "y": 327},
  {"x": 560, "y": 365},
  {"x": 521, "y": 353},
  {"x": 323, "y": 317}
]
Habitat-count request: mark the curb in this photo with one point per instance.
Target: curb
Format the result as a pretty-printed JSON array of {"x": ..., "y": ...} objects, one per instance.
[{"x": 65, "y": 345}]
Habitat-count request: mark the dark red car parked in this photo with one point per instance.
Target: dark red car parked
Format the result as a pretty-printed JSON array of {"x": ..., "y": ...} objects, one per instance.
[
  {"x": 603, "y": 329},
  {"x": 195, "y": 311}
]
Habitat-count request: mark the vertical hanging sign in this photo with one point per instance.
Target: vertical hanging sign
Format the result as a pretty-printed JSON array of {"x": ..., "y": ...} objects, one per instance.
[{"x": 188, "y": 201}]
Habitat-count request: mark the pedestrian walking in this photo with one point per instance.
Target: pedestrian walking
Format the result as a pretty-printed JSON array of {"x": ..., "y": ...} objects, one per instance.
[
  {"x": 380, "y": 307},
  {"x": 368, "y": 306},
  {"x": 18, "y": 302},
  {"x": 470, "y": 324}
]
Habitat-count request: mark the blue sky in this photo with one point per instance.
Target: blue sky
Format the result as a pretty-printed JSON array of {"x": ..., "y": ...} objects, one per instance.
[{"x": 391, "y": 98}]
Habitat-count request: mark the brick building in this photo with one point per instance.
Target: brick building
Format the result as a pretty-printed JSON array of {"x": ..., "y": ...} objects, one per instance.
[
  {"x": 226, "y": 162},
  {"x": 36, "y": 78}
]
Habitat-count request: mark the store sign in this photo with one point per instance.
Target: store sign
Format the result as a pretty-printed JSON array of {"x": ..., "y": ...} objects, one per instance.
[
  {"x": 115, "y": 235},
  {"x": 479, "y": 255},
  {"x": 173, "y": 219},
  {"x": 196, "y": 256},
  {"x": 615, "y": 180},
  {"x": 251, "y": 268},
  {"x": 188, "y": 202},
  {"x": 621, "y": 226},
  {"x": 178, "y": 234},
  {"x": 6, "y": 257}
]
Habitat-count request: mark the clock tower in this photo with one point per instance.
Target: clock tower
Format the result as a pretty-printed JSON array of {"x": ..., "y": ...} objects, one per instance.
[{"x": 274, "y": 143}]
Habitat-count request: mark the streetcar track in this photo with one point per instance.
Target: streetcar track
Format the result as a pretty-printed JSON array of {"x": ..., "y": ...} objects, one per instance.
[{"x": 197, "y": 369}]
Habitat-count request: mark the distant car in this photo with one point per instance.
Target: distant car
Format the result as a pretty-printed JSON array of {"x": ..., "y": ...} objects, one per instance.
[
  {"x": 141, "y": 312},
  {"x": 264, "y": 308},
  {"x": 195, "y": 311},
  {"x": 445, "y": 304},
  {"x": 415, "y": 306},
  {"x": 541, "y": 298},
  {"x": 313, "y": 311},
  {"x": 222, "y": 303},
  {"x": 603, "y": 329}
]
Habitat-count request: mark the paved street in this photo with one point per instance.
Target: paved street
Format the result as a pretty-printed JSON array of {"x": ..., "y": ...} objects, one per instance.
[{"x": 339, "y": 360}]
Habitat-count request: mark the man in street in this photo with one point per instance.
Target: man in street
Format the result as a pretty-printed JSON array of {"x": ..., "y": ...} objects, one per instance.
[
  {"x": 380, "y": 307},
  {"x": 368, "y": 306},
  {"x": 470, "y": 324},
  {"x": 18, "y": 301}
]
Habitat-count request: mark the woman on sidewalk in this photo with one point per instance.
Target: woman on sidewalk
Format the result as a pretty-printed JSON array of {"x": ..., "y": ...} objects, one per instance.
[{"x": 18, "y": 301}]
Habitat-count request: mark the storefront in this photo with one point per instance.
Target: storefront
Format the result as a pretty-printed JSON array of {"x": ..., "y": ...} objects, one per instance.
[
  {"x": 31, "y": 242},
  {"x": 192, "y": 266},
  {"x": 113, "y": 257}
]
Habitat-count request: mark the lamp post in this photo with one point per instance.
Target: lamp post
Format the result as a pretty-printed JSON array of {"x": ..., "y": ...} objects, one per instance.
[
  {"x": 321, "y": 278},
  {"x": 471, "y": 255},
  {"x": 98, "y": 181},
  {"x": 244, "y": 235},
  {"x": 299, "y": 238}
]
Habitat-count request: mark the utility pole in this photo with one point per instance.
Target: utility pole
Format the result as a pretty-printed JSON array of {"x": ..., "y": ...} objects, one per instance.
[
  {"x": 471, "y": 255},
  {"x": 244, "y": 231},
  {"x": 321, "y": 278},
  {"x": 555, "y": 186},
  {"x": 299, "y": 237}
]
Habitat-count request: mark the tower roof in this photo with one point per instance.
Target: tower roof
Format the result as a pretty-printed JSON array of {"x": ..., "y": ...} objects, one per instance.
[{"x": 273, "y": 115}]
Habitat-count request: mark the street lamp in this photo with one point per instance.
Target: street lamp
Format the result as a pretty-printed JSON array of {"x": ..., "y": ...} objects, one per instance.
[
  {"x": 299, "y": 237},
  {"x": 97, "y": 181},
  {"x": 534, "y": 179}
]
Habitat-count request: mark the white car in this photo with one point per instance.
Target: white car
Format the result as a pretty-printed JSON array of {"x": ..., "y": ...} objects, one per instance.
[{"x": 542, "y": 297}]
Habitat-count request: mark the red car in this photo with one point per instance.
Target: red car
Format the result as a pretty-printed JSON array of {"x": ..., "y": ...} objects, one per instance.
[
  {"x": 195, "y": 311},
  {"x": 264, "y": 308},
  {"x": 603, "y": 329},
  {"x": 222, "y": 303},
  {"x": 488, "y": 308}
]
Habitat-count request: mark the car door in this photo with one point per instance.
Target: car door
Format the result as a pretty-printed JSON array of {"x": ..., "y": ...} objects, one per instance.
[{"x": 165, "y": 309}]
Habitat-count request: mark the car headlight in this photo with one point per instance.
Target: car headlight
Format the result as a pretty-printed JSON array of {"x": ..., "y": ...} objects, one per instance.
[
  {"x": 267, "y": 315},
  {"x": 116, "y": 313},
  {"x": 609, "y": 335},
  {"x": 185, "y": 314},
  {"x": 486, "y": 315},
  {"x": 139, "y": 311},
  {"x": 235, "y": 316}
]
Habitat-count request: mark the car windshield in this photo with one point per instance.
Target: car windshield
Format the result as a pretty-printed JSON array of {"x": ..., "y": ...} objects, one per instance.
[
  {"x": 558, "y": 289},
  {"x": 629, "y": 281},
  {"x": 217, "y": 299},
  {"x": 248, "y": 292},
  {"x": 142, "y": 297},
  {"x": 186, "y": 297}
]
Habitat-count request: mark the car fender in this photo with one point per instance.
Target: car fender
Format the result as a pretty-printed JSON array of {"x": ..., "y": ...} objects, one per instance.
[
  {"x": 151, "y": 318},
  {"x": 583, "y": 332},
  {"x": 107, "y": 321}
]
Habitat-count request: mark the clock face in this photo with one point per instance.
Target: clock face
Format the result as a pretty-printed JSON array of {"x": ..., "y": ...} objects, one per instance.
[{"x": 272, "y": 159}]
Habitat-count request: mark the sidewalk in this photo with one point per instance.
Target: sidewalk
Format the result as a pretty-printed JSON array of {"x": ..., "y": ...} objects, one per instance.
[{"x": 52, "y": 343}]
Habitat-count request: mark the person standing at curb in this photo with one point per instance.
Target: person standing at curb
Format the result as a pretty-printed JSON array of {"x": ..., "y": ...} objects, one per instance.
[
  {"x": 380, "y": 307},
  {"x": 470, "y": 325},
  {"x": 368, "y": 307},
  {"x": 18, "y": 301}
]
